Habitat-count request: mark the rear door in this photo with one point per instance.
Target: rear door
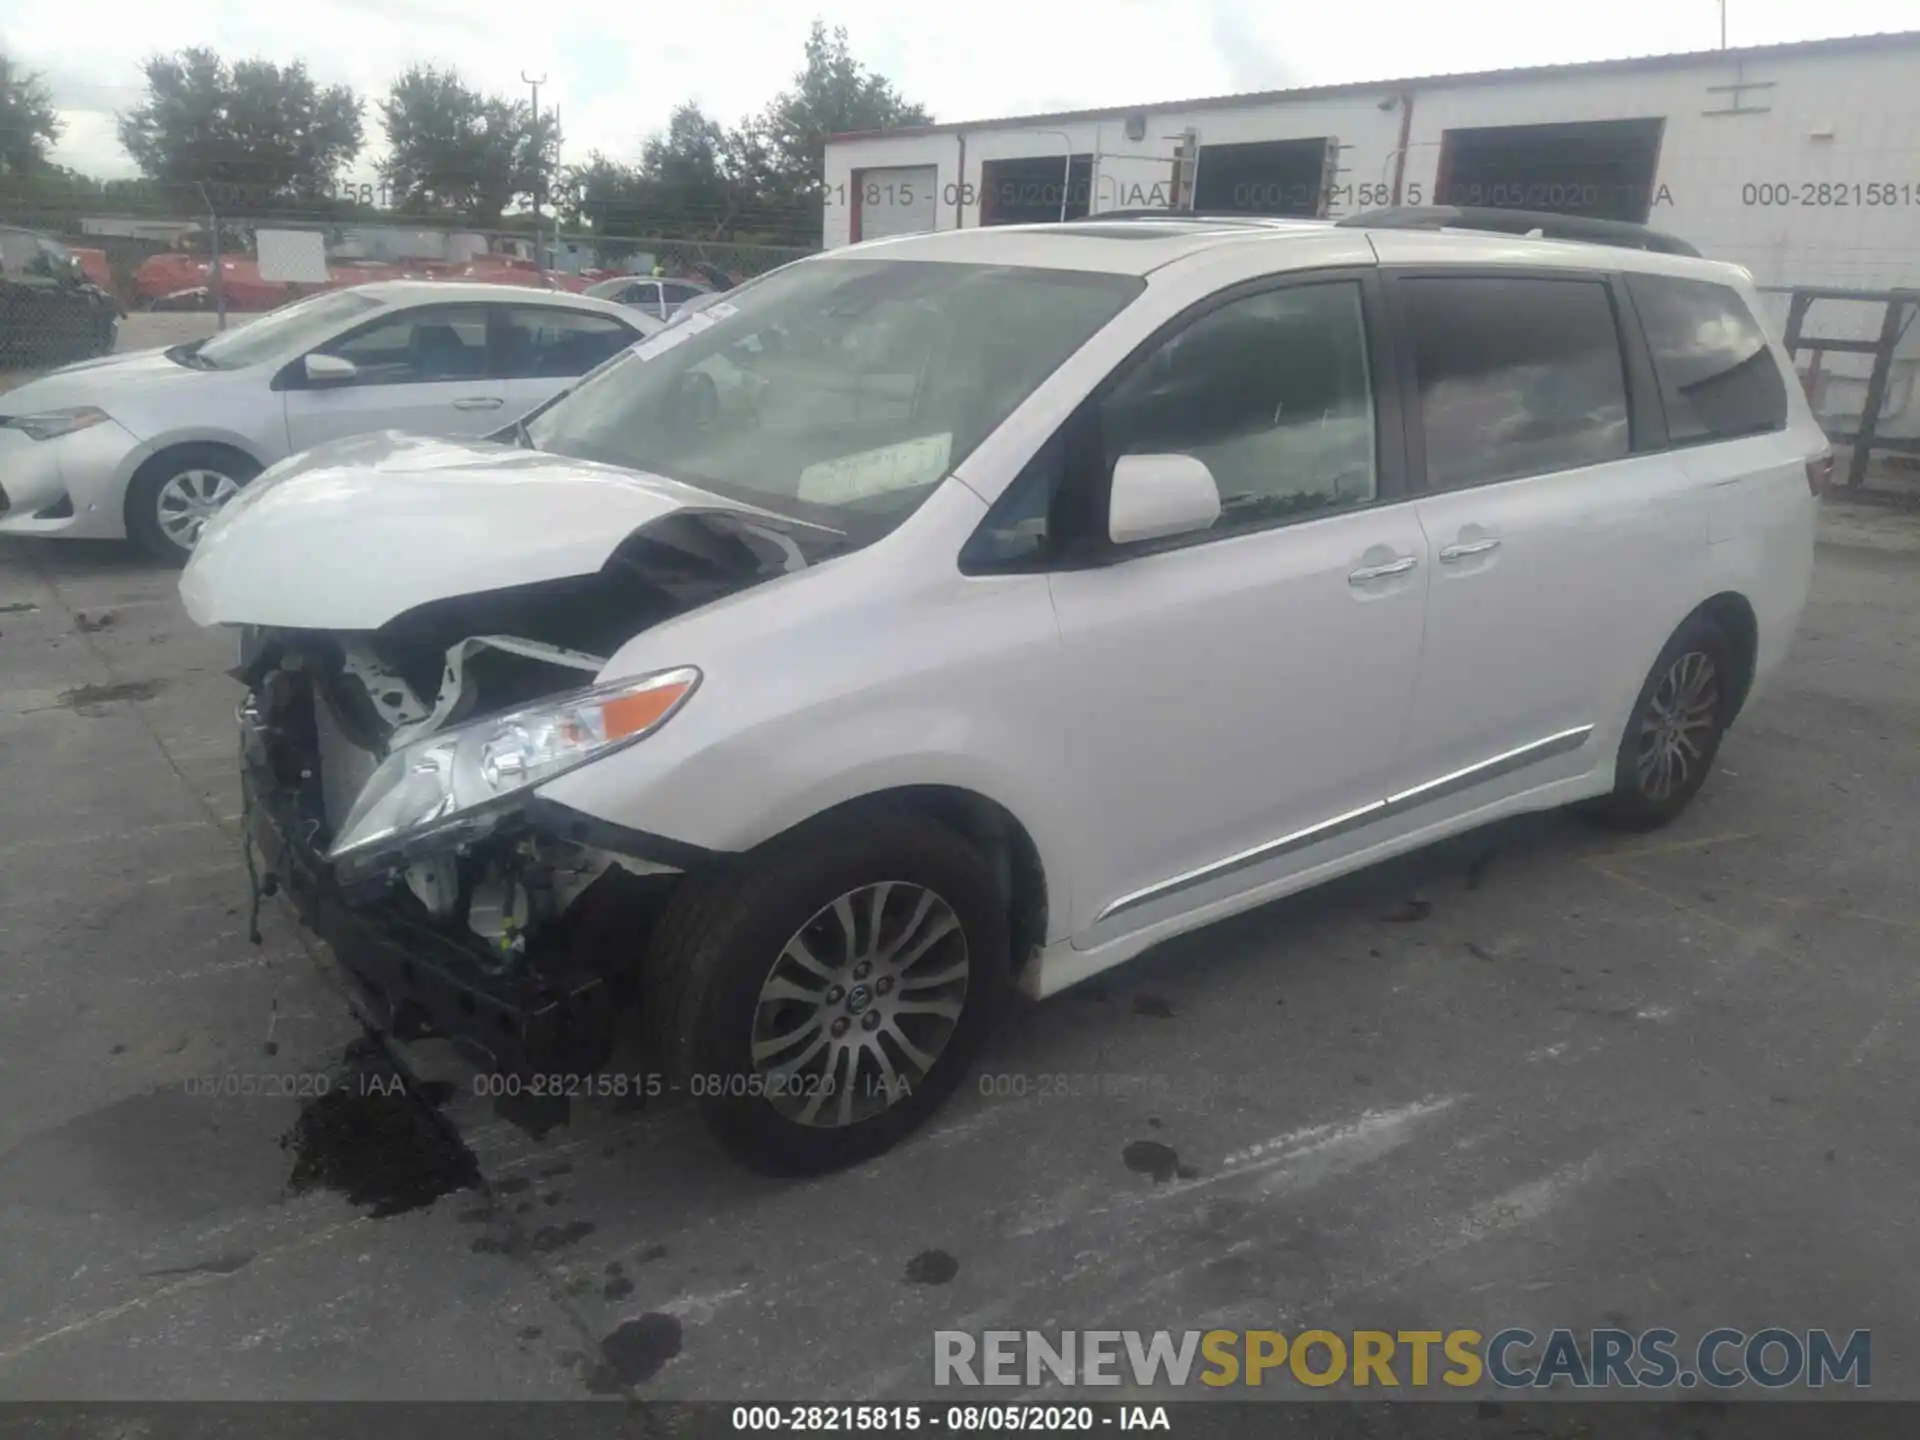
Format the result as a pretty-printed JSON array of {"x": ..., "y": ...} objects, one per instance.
[
  {"x": 1560, "y": 551},
  {"x": 422, "y": 370},
  {"x": 541, "y": 349}
]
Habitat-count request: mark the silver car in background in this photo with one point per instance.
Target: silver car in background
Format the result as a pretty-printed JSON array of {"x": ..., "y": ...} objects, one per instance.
[{"x": 150, "y": 445}]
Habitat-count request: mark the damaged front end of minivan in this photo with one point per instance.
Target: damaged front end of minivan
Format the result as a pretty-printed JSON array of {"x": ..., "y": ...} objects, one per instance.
[{"x": 391, "y": 773}]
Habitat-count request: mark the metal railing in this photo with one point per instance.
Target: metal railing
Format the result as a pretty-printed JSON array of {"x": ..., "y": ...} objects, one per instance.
[{"x": 1879, "y": 424}]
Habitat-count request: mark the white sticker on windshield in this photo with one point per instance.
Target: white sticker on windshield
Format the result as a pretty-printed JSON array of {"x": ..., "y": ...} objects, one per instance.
[
  {"x": 698, "y": 320},
  {"x": 720, "y": 311},
  {"x": 875, "y": 472},
  {"x": 665, "y": 341}
]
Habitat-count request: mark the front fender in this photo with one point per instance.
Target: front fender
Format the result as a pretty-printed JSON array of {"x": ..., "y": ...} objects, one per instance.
[{"x": 948, "y": 689}]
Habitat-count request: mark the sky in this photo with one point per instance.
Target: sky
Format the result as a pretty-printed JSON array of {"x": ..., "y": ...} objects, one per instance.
[{"x": 616, "y": 70}]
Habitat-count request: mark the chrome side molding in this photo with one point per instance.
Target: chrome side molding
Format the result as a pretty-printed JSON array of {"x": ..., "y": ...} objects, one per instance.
[{"x": 1479, "y": 773}]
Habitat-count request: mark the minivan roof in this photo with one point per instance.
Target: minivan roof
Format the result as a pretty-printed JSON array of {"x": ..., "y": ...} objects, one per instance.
[{"x": 1140, "y": 245}]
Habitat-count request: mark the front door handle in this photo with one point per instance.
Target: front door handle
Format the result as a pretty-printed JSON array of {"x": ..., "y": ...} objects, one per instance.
[
  {"x": 1381, "y": 572},
  {"x": 479, "y": 402},
  {"x": 1450, "y": 553}
]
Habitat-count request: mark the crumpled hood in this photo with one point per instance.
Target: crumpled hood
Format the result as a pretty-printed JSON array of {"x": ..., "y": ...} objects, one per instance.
[{"x": 352, "y": 533}]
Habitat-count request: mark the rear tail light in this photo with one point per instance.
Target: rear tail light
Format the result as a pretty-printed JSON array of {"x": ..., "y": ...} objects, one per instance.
[{"x": 1820, "y": 472}]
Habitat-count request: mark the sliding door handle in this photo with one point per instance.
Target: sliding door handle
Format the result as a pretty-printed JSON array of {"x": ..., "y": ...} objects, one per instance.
[
  {"x": 1450, "y": 553},
  {"x": 1381, "y": 572}
]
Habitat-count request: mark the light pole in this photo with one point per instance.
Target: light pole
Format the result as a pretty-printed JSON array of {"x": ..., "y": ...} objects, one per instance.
[{"x": 539, "y": 172}]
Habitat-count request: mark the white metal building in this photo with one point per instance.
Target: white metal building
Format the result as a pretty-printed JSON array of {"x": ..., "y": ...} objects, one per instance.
[{"x": 1801, "y": 161}]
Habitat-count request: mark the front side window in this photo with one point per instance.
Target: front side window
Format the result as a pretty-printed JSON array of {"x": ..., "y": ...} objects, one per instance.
[
  {"x": 1517, "y": 376},
  {"x": 289, "y": 331},
  {"x": 1271, "y": 392},
  {"x": 838, "y": 390},
  {"x": 419, "y": 346},
  {"x": 1717, "y": 376},
  {"x": 548, "y": 344}
]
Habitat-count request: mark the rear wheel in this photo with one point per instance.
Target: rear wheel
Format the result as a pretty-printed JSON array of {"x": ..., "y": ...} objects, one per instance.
[
  {"x": 177, "y": 492},
  {"x": 1674, "y": 734},
  {"x": 823, "y": 998}
]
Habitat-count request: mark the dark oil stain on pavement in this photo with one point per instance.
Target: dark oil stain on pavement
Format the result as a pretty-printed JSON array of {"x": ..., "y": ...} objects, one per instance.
[
  {"x": 1408, "y": 911},
  {"x": 1150, "y": 1157},
  {"x": 617, "y": 1288},
  {"x": 634, "y": 1352},
  {"x": 932, "y": 1267},
  {"x": 91, "y": 624},
  {"x": 543, "y": 1241},
  {"x": 376, "y": 1139},
  {"x": 1152, "y": 1005},
  {"x": 83, "y": 698}
]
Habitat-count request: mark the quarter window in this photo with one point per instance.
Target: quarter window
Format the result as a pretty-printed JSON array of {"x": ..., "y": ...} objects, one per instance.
[
  {"x": 1517, "y": 377},
  {"x": 1718, "y": 378},
  {"x": 1271, "y": 392}
]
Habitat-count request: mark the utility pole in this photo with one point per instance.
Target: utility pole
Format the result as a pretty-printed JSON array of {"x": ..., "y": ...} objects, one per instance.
[
  {"x": 216, "y": 279},
  {"x": 539, "y": 172},
  {"x": 1723, "y": 24}
]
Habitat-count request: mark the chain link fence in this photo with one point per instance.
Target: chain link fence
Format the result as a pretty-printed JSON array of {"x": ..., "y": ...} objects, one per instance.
[{"x": 66, "y": 281}]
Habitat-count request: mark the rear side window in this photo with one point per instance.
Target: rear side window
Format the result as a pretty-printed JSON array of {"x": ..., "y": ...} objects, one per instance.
[
  {"x": 1717, "y": 376},
  {"x": 1517, "y": 377},
  {"x": 537, "y": 343}
]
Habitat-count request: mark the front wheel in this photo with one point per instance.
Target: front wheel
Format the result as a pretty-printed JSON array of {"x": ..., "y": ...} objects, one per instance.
[
  {"x": 823, "y": 997},
  {"x": 176, "y": 493},
  {"x": 1678, "y": 721}
]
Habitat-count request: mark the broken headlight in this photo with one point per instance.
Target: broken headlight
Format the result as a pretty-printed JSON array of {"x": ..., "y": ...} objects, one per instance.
[{"x": 461, "y": 779}]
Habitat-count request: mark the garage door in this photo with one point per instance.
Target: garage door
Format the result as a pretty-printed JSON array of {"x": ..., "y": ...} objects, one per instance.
[{"x": 895, "y": 201}]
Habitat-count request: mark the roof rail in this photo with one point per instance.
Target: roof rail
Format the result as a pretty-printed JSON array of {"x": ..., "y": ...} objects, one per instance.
[
  {"x": 1191, "y": 216},
  {"x": 1520, "y": 222}
]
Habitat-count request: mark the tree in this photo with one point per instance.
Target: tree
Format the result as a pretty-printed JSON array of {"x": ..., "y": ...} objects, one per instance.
[
  {"x": 832, "y": 93},
  {"x": 698, "y": 178},
  {"x": 253, "y": 133},
  {"x": 451, "y": 146},
  {"x": 29, "y": 125}
]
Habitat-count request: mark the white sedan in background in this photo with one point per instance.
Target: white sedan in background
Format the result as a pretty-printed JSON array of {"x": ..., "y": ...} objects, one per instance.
[{"x": 148, "y": 446}]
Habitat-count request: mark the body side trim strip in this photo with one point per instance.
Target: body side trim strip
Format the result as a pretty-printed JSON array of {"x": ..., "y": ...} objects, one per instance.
[{"x": 1450, "y": 784}]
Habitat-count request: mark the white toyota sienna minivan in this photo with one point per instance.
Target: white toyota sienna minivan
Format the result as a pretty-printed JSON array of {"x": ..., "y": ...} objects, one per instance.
[{"x": 966, "y": 612}]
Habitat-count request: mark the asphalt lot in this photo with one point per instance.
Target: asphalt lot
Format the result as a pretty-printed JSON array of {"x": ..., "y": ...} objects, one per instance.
[{"x": 1542, "y": 1077}]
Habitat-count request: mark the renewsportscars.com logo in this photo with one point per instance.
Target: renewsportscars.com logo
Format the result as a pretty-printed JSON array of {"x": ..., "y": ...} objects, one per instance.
[{"x": 1512, "y": 1359}]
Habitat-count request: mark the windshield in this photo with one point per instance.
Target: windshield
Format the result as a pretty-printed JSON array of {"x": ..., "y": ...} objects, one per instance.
[
  {"x": 290, "y": 330},
  {"x": 837, "y": 391}
]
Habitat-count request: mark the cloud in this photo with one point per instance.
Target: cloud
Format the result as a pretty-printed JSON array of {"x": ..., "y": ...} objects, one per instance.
[{"x": 616, "y": 70}]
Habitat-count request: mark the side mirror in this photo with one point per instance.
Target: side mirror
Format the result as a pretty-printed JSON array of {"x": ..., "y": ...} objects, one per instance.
[
  {"x": 1155, "y": 496},
  {"x": 329, "y": 369}
]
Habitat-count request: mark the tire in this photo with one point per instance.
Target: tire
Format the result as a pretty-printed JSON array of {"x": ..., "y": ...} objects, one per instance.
[
  {"x": 1697, "y": 666},
  {"x": 728, "y": 938},
  {"x": 203, "y": 469}
]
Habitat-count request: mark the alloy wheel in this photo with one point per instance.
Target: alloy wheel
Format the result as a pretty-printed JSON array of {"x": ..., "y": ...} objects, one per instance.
[
  {"x": 860, "y": 1004},
  {"x": 1677, "y": 728},
  {"x": 189, "y": 500}
]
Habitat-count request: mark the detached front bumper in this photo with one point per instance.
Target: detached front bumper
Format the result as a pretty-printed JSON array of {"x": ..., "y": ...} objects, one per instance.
[{"x": 417, "y": 980}]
